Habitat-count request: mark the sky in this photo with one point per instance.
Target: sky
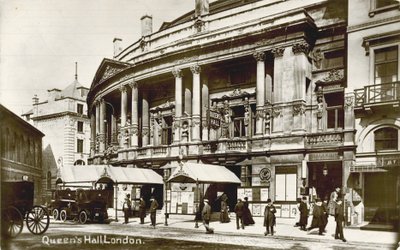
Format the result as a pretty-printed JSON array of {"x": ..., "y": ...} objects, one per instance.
[{"x": 40, "y": 41}]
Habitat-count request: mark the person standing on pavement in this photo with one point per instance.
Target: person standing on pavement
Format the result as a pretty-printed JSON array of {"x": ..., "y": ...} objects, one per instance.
[
  {"x": 339, "y": 217},
  {"x": 304, "y": 210},
  {"x": 247, "y": 217},
  {"x": 269, "y": 217},
  {"x": 317, "y": 221},
  {"x": 206, "y": 214},
  {"x": 153, "y": 211},
  {"x": 325, "y": 211},
  {"x": 224, "y": 218},
  {"x": 142, "y": 210},
  {"x": 126, "y": 207},
  {"x": 332, "y": 201},
  {"x": 239, "y": 214}
]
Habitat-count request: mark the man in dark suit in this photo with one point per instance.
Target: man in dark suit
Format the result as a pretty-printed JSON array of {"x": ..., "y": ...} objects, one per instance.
[
  {"x": 142, "y": 210},
  {"x": 206, "y": 214},
  {"x": 126, "y": 207},
  {"x": 303, "y": 208},
  {"x": 239, "y": 213},
  {"x": 153, "y": 211},
  {"x": 339, "y": 217}
]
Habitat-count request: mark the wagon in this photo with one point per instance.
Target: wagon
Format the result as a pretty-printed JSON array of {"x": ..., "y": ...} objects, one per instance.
[
  {"x": 17, "y": 206},
  {"x": 62, "y": 200}
]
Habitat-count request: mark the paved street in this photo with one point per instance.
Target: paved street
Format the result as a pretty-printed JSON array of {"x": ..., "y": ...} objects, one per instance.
[{"x": 181, "y": 234}]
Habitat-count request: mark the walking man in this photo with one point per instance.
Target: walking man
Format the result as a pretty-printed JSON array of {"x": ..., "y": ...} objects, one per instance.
[
  {"x": 269, "y": 217},
  {"x": 339, "y": 217},
  {"x": 239, "y": 213},
  {"x": 317, "y": 221},
  {"x": 303, "y": 208},
  {"x": 206, "y": 214},
  {"x": 142, "y": 210},
  {"x": 332, "y": 201},
  {"x": 126, "y": 207},
  {"x": 153, "y": 211}
]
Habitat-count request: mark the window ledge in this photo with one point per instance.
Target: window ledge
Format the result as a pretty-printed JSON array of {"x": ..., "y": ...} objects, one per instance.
[{"x": 383, "y": 9}]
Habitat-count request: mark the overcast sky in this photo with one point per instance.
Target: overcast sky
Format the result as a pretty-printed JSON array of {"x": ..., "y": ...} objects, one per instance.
[{"x": 40, "y": 41}]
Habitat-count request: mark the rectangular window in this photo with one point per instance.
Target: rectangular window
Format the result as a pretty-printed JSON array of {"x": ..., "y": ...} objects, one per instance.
[
  {"x": 334, "y": 110},
  {"x": 286, "y": 183},
  {"x": 79, "y": 146},
  {"x": 166, "y": 136},
  {"x": 386, "y": 65},
  {"x": 79, "y": 109},
  {"x": 80, "y": 127}
]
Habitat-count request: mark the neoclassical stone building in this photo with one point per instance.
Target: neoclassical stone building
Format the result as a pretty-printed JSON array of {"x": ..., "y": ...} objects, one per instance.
[{"x": 255, "y": 86}]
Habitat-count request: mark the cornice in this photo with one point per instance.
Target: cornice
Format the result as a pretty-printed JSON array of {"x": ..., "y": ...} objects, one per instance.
[
  {"x": 60, "y": 114},
  {"x": 372, "y": 24}
]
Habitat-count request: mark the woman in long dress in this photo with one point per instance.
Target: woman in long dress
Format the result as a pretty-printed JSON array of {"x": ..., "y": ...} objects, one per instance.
[{"x": 247, "y": 217}]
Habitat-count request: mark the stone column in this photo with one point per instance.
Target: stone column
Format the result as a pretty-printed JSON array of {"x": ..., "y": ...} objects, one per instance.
[
  {"x": 114, "y": 130},
  {"x": 302, "y": 69},
  {"x": 135, "y": 116},
  {"x": 102, "y": 134},
  {"x": 196, "y": 103},
  {"x": 205, "y": 106},
  {"x": 260, "y": 89},
  {"x": 276, "y": 112},
  {"x": 93, "y": 121},
  {"x": 178, "y": 103},
  {"x": 97, "y": 128},
  {"x": 145, "y": 120},
  {"x": 124, "y": 111}
]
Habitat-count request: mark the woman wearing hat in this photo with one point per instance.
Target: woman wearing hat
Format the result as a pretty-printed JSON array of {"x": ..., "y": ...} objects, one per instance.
[{"x": 269, "y": 217}]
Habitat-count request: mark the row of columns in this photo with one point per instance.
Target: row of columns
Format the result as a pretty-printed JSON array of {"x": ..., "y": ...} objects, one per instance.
[{"x": 196, "y": 104}]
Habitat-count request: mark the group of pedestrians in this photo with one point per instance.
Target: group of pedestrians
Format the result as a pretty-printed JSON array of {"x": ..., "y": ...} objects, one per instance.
[
  {"x": 127, "y": 209},
  {"x": 321, "y": 212}
]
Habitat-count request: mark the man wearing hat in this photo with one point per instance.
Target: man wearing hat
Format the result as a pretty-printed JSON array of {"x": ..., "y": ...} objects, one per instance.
[
  {"x": 153, "y": 211},
  {"x": 339, "y": 217},
  {"x": 269, "y": 218},
  {"x": 206, "y": 214},
  {"x": 126, "y": 207},
  {"x": 239, "y": 214},
  {"x": 318, "y": 220}
]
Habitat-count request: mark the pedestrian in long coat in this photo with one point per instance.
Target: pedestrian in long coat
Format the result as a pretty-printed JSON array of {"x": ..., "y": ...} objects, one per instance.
[
  {"x": 325, "y": 210},
  {"x": 269, "y": 217},
  {"x": 224, "y": 217},
  {"x": 247, "y": 217},
  {"x": 339, "y": 217},
  {"x": 153, "y": 211},
  {"x": 317, "y": 221},
  {"x": 126, "y": 207},
  {"x": 239, "y": 214},
  {"x": 303, "y": 208},
  {"x": 332, "y": 201},
  {"x": 206, "y": 215},
  {"x": 142, "y": 210}
]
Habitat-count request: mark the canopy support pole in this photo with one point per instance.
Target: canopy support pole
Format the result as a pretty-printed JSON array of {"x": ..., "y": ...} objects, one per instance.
[
  {"x": 196, "y": 225},
  {"x": 165, "y": 199},
  {"x": 116, "y": 200}
]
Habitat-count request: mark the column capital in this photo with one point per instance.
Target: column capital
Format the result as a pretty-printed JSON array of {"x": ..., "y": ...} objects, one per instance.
[
  {"x": 301, "y": 47},
  {"x": 196, "y": 69},
  {"x": 177, "y": 73},
  {"x": 133, "y": 84},
  {"x": 278, "y": 52},
  {"x": 259, "y": 56},
  {"x": 123, "y": 88}
]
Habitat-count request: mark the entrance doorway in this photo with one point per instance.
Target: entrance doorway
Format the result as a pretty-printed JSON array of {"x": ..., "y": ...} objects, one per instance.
[{"x": 324, "y": 177}]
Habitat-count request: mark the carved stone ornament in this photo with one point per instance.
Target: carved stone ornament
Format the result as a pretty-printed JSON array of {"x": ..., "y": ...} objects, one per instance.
[
  {"x": 177, "y": 73},
  {"x": 349, "y": 102},
  {"x": 133, "y": 85},
  {"x": 196, "y": 121},
  {"x": 298, "y": 109},
  {"x": 123, "y": 88},
  {"x": 143, "y": 44},
  {"x": 276, "y": 112},
  {"x": 236, "y": 92},
  {"x": 301, "y": 48},
  {"x": 199, "y": 25},
  {"x": 259, "y": 114},
  {"x": 109, "y": 71},
  {"x": 145, "y": 131},
  {"x": 135, "y": 130},
  {"x": 317, "y": 57},
  {"x": 278, "y": 52},
  {"x": 196, "y": 69},
  {"x": 259, "y": 56},
  {"x": 333, "y": 76}
]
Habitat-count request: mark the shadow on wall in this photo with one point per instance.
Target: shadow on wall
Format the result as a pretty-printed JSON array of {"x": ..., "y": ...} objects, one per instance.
[{"x": 49, "y": 173}]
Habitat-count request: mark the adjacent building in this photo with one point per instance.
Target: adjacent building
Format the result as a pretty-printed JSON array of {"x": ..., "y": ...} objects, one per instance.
[
  {"x": 20, "y": 151},
  {"x": 373, "y": 74},
  {"x": 62, "y": 117},
  {"x": 255, "y": 86}
]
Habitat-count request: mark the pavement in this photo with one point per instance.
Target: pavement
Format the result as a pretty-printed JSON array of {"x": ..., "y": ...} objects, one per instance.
[{"x": 284, "y": 230}]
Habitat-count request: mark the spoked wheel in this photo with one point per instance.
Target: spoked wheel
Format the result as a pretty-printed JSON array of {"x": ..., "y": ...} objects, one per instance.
[
  {"x": 56, "y": 213},
  {"x": 83, "y": 217},
  {"x": 12, "y": 222},
  {"x": 37, "y": 220},
  {"x": 63, "y": 215}
]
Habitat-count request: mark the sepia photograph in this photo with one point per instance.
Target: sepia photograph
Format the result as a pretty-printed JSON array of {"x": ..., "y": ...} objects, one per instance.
[{"x": 200, "y": 124}]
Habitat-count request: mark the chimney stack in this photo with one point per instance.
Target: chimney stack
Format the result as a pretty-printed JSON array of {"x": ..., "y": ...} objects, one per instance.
[
  {"x": 147, "y": 25},
  {"x": 35, "y": 99},
  {"x": 117, "y": 46},
  {"x": 201, "y": 8}
]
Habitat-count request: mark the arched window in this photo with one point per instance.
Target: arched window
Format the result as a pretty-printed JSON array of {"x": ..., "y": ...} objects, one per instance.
[
  {"x": 48, "y": 180},
  {"x": 79, "y": 162},
  {"x": 386, "y": 138}
]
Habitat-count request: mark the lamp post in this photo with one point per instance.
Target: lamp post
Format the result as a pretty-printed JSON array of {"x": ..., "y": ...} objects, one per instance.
[
  {"x": 196, "y": 225},
  {"x": 165, "y": 197}
]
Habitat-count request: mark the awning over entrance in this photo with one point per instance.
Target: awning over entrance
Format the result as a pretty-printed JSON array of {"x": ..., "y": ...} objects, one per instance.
[
  {"x": 105, "y": 173},
  {"x": 188, "y": 172}
]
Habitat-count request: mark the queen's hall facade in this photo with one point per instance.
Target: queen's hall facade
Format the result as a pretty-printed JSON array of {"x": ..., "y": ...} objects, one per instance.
[{"x": 254, "y": 86}]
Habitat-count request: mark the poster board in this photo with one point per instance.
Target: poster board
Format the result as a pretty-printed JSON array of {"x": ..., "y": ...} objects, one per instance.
[
  {"x": 264, "y": 194},
  {"x": 256, "y": 209}
]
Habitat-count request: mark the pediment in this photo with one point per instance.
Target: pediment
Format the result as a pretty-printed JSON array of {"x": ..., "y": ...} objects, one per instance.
[{"x": 107, "y": 69}]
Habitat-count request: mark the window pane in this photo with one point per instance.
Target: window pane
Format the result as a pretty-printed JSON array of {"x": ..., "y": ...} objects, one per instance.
[
  {"x": 386, "y": 138},
  {"x": 331, "y": 118},
  {"x": 291, "y": 187},
  {"x": 280, "y": 183}
]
